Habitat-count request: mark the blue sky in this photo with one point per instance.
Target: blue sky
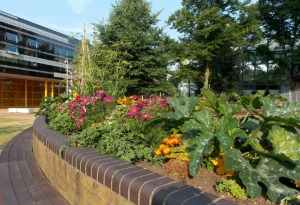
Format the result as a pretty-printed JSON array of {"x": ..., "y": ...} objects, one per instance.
[{"x": 67, "y": 16}]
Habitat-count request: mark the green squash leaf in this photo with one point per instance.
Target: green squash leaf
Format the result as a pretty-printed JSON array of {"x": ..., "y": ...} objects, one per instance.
[
  {"x": 285, "y": 143},
  {"x": 202, "y": 120},
  {"x": 181, "y": 109},
  {"x": 268, "y": 171},
  {"x": 199, "y": 147}
]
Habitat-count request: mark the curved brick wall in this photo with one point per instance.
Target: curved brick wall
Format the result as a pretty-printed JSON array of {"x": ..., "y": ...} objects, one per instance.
[{"x": 84, "y": 176}]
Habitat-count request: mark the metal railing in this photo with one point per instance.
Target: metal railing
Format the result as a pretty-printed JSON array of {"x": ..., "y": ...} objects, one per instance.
[{"x": 292, "y": 96}]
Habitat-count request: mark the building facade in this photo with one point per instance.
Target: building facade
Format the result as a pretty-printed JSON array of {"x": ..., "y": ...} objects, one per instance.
[{"x": 34, "y": 61}]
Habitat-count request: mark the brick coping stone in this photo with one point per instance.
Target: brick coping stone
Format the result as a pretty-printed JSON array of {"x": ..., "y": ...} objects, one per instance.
[{"x": 136, "y": 184}]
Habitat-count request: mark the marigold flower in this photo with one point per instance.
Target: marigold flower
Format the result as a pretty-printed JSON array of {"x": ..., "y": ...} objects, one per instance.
[
  {"x": 166, "y": 151},
  {"x": 158, "y": 152}
]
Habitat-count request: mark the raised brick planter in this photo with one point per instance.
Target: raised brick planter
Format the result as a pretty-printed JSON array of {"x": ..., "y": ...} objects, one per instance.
[{"x": 84, "y": 176}]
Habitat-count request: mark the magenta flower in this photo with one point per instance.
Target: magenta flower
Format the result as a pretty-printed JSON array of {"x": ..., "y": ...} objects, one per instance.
[
  {"x": 85, "y": 101},
  {"x": 80, "y": 121},
  {"x": 71, "y": 105},
  {"x": 100, "y": 93},
  {"x": 155, "y": 98},
  {"x": 133, "y": 111},
  {"x": 82, "y": 111},
  {"x": 164, "y": 103},
  {"x": 145, "y": 117},
  {"x": 142, "y": 103},
  {"x": 107, "y": 99}
]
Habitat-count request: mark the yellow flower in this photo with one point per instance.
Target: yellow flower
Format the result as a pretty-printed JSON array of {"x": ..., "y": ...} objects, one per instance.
[
  {"x": 203, "y": 101},
  {"x": 221, "y": 167},
  {"x": 75, "y": 95}
]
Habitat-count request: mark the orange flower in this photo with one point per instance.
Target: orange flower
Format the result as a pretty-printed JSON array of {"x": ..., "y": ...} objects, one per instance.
[
  {"x": 177, "y": 135},
  {"x": 162, "y": 147},
  {"x": 166, "y": 151},
  {"x": 158, "y": 152},
  {"x": 221, "y": 167},
  {"x": 176, "y": 141},
  {"x": 165, "y": 140},
  {"x": 171, "y": 142}
]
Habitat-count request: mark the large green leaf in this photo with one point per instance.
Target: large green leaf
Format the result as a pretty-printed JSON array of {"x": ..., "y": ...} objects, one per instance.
[
  {"x": 214, "y": 101},
  {"x": 284, "y": 109},
  {"x": 181, "y": 109},
  {"x": 268, "y": 171},
  {"x": 285, "y": 143},
  {"x": 203, "y": 120},
  {"x": 200, "y": 146}
]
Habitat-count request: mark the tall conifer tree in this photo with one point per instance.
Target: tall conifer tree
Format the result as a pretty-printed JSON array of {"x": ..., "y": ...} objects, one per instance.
[{"x": 132, "y": 22}]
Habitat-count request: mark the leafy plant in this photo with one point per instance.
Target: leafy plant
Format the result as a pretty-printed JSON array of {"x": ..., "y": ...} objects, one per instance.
[
  {"x": 268, "y": 171},
  {"x": 233, "y": 188}
]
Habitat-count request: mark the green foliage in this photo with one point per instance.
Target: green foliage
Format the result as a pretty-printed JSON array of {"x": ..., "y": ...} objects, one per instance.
[
  {"x": 285, "y": 34},
  {"x": 59, "y": 120},
  {"x": 133, "y": 24},
  {"x": 213, "y": 32},
  {"x": 124, "y": 136},
  {"x": 233, "y": 188},
  {"x": 46, "y": 105},
  {"x": 182, "y": 109},
  {"x": 268, "y": 171},
  {"x": 110, "y": 68},
  {"x": 265, "y": 142},
  {"x": 211, "y": 135}
]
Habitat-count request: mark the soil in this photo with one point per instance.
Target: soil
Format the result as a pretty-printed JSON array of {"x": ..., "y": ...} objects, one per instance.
[{"x": 206, "y": 181}]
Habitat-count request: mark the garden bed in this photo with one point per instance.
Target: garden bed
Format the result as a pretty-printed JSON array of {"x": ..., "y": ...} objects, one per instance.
[
  {"x": 259, "y": 145},
  {"x": 206, "y": 181}
]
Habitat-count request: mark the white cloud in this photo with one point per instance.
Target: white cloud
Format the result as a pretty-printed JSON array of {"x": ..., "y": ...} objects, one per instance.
[{"x": 78, "y": 5}]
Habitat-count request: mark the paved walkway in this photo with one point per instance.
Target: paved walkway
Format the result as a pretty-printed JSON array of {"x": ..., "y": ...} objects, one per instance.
[{"x": 21, "y": 180}]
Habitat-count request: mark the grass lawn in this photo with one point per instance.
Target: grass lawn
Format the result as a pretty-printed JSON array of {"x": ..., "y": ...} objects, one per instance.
[{"x": 10, "y": 127}]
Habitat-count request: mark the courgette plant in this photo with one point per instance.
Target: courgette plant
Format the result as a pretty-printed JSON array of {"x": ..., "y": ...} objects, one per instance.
[{"x": 261, "y": 147}]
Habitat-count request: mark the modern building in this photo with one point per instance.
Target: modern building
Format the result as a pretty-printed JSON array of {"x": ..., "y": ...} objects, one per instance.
[{"x": 34, "y": 61}]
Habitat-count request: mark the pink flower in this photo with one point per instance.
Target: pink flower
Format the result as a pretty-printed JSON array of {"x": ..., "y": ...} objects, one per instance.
[
  {"x": 85, "y": 101},
  {"x": 107, "y": 99},
  {"x": 100, "y": 93},
  {"x": 142, "y": 103},
  {"x": 164, "y": 103},
  {"x": 80, "y": 121},
  {"x": 71, "y": 115},
  {"x": 133, "y": 111},
  {"x": 155, "y": 98},
  {"x": 145, "y": 117},
  {"x": 82, "y": 111},
  {"x": 134, "y": 98}
]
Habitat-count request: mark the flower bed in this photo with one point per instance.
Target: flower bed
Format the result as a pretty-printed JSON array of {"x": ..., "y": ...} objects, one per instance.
[{"x": 258, "y": 149}]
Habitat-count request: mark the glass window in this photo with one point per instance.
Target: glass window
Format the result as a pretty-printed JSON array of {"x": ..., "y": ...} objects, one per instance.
[
  {"x": 57, "y": 51},
  {"x": 31, "y": 53},
  {"x": 2, "y": 47},
  {"x": 32, "y": 43},
  {"x": 22, "y": 51},
  {"x": 11, "y": 49},
  {"x": 12, "y": 37},
  {"x": 51, "y": 49},
  {"x": 2, "y": 34},
  {"x": 70, "y": 54},
  {"x": 22, "y": 40},
  {"x": 64, "y": 52}
]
